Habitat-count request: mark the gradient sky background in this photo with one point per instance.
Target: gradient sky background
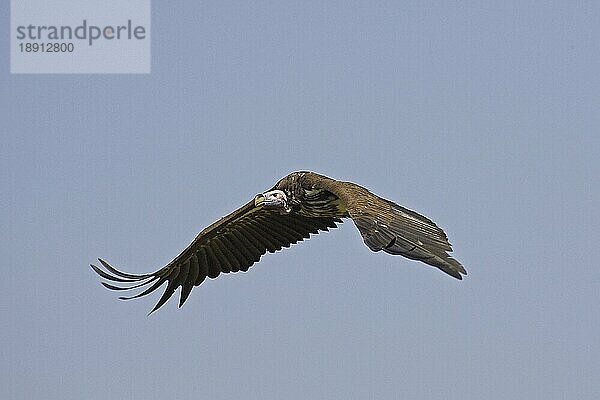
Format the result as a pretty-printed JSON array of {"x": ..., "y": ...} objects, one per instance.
[{"x": 484, "y": 117}]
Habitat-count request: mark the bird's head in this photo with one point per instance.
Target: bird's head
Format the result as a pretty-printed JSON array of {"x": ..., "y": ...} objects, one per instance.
[{"x": 274, "y": 200}]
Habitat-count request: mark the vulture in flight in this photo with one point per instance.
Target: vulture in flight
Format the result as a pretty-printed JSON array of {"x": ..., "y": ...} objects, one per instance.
[{"x": 298, "y": 205}]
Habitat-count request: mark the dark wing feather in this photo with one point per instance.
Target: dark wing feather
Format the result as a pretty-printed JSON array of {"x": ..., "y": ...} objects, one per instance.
[
  {"x": 387, "y": 226},
  {"x": 396, "y": 230},
  {"x": 231, "y": 244}
]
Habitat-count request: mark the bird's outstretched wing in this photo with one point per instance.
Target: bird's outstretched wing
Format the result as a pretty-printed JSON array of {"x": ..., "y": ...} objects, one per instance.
[
  {"x": 387, "y": 226},
  {"x": 231, "y": 244}
]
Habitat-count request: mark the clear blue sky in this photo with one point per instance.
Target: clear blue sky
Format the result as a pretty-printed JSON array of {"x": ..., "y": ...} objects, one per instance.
[{"x": 484, "y": 117}]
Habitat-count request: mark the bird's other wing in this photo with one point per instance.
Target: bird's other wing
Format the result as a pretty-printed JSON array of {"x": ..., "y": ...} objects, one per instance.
[
  {"x": 385, "y": 225},
  {"x": 231, "y": 244}
]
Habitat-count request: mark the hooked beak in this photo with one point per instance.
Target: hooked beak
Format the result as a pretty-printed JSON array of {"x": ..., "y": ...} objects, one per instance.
[{"x": 259, "y": 200}]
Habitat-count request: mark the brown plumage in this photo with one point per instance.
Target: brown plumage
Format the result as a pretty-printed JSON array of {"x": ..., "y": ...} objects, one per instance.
[{"x": 298, "y": 205}]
